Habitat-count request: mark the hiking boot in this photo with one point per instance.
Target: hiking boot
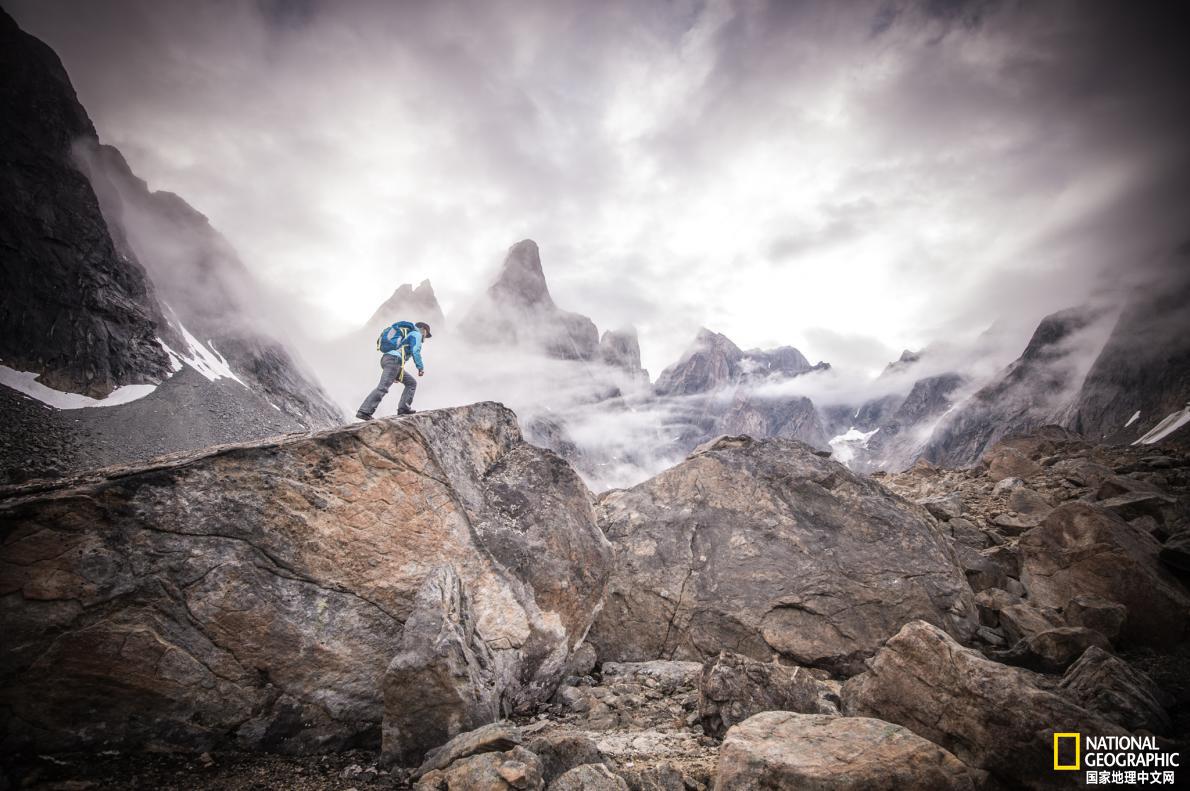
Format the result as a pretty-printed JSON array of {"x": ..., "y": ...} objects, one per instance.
[
  {"x": 406, "y": 411},
  {"x": 362, "y": 416}
]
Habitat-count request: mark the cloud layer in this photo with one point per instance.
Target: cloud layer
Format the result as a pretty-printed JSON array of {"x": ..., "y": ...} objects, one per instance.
[{"x": 850, "y": 178}]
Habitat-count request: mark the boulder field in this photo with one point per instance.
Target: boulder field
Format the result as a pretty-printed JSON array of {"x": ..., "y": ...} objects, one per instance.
[{"x": 456, "y": 604}]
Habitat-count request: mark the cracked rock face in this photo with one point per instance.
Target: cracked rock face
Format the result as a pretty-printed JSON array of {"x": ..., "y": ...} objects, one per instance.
[
  {"x": 254, "y": 596},
  {"x": 764, "y": 547}
]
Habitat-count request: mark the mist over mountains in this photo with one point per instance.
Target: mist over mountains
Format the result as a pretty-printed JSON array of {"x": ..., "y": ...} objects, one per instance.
[{"x": 588, "y": 399}]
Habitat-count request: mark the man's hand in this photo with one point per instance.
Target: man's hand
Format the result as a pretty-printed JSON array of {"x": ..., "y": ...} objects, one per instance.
[{"x": 421, "y": 371}]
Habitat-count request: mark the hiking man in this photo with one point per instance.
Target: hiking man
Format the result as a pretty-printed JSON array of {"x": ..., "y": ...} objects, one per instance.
[{"x": 396, "y": 344}]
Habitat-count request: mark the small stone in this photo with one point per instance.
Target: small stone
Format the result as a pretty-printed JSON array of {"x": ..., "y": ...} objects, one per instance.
[
  {"x": 1025, "y": 501},
  {"x": 573, "y": 699},
  {"x": 1007, "y": 485},
  {"x": 1015, "y": 524},
  {"x": 947, "y": 507},
  {"x": 991, "y": 636},
  {"x": 514, "y": 773}
]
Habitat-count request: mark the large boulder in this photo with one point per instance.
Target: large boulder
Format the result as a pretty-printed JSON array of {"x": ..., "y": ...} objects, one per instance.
[
  {"x": 991, "y": 716},
  {"x": 1084, "y": 550},
  {"x": 734, "y": 687},
  {"x": 780, "y": 749},
  {"x": 253, "y": 596},
  {"x": 1112, "y": 688},
  {"x": 769, "y": 548}
]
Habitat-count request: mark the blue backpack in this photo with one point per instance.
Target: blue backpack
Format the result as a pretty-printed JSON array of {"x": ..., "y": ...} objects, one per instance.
[{"x": 395, "y": 336}]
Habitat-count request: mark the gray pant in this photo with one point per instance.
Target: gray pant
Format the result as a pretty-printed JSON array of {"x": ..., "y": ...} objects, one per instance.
[{"x": 390, "y": 370}]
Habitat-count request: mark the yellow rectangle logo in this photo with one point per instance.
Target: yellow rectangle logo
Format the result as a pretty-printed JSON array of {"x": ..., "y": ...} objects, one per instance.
[{"x": 1077, "y": 751}]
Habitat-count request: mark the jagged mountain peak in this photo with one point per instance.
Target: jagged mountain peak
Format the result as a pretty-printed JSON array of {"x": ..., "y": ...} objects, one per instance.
[
  {"x": 714, "y": 360},
  {"x": 518, "y": 308},
  {"x": 902, "y": 363},
  {"x": 709, "y": 338},
  {"x": 627, "y": 331},
  {"x": 710, "y": 362},
  {"x": 411, "y": 304},
  {"x": 782, "y": 360},
  {"x": 522, "y": 280},
  {"x": 620, "y": 348}
]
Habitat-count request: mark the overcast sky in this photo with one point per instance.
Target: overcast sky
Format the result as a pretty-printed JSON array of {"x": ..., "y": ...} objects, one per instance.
[{"x": 852, "y": 178}]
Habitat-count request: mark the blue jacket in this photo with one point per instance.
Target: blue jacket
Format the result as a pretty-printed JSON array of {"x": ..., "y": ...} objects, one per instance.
[{"x": 413, "y": 343}]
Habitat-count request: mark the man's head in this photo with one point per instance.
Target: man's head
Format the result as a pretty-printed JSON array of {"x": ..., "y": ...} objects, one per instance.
[{"x": 425, "y": 329}]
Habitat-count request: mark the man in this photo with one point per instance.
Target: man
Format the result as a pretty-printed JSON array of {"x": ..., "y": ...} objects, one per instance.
[{"x": 397, "y": 342}]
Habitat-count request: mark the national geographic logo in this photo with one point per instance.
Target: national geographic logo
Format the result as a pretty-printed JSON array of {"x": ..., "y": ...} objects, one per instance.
[
  {"x": 1062, "y": 759},
  {"x": 1116, "y": 760}
]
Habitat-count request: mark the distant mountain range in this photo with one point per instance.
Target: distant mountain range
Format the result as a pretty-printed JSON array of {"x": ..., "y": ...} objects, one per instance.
[{"x": 1088, "y": 369}]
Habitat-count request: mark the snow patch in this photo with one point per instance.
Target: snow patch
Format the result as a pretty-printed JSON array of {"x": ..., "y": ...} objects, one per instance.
[
  {"x": 844, "y": 445},
  {"x": 26, "y": 382},
  {"x": 1132, "y": 419},
  {"x": 1166, "y": 427},
  {"x": 207, "y": 361}
]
